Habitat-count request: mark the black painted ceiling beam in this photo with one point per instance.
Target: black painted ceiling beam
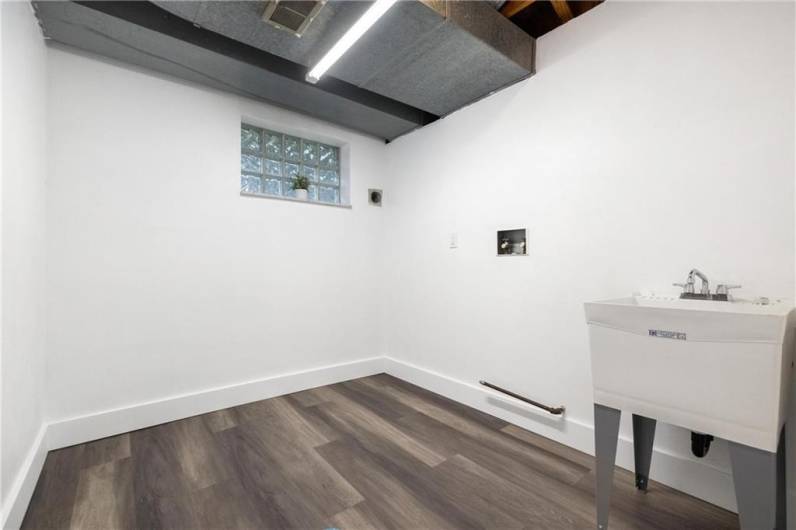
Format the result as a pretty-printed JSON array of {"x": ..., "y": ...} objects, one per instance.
[
  {"x": 141, "y": 33},
  {"x": 153, "y": 17}
]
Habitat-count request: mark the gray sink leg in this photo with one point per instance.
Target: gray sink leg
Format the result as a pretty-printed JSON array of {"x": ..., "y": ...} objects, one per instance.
[
  {"x": 643, "y": 436},
  {"x": 782, "y": 480},
  {"x": 606, "y": 435},
  {"x": 759, "y": 478}
]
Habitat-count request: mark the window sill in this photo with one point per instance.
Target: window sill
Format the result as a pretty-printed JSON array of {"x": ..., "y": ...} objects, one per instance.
[{"x": 291, "y": 199}]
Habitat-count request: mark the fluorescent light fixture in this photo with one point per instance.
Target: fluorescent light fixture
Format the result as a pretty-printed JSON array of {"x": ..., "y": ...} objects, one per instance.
[{"x": 359, "y": 28}]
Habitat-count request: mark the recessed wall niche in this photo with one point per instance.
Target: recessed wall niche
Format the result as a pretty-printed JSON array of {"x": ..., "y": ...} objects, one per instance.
[{"x": 512, "y": 242}]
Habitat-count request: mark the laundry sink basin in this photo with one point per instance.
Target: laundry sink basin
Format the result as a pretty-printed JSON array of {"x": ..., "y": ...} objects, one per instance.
[{"x": 722, "y": 368}]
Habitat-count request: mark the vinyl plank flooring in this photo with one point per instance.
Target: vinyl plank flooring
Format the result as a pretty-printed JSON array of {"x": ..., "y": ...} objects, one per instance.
[
  {"x": 355, "y": 518},
  {"x": 661, "y": 507},
  {"x": 223, "y": 505},
  {"x": 220, "y": 420},
  {"x": 155, "y": 512},
  {"x": 315, "y": 420},
  {"x": 522, "y": 473},
  {"x": 250, "y": 411},
  {"x": 263, "y": 482},
  {"x": 421, "y": 479},
  {"x": 53, "y": 500},
  {"x": 507, "y": 505},
  {"x": 319, "y": 483},
  {"x": 372, "y": 453},
  {"x": 355, "y": 420},
  {"x": 375, "y": 400},
  {"x": 463, "y": 435},
  {"x": 199, "y": 458},
  {"x": 386, "y": 382},
  {"x": 106, "y": 450},
  {"x": 546, "y": 444},
  {"x": 104, "y": 497},
  {"x": 274, "y": 463},
  {"x": 288, "y": 418},
  {"x": 157, "y": 471},
  {"x": 158, "y": 479},
  {"x": 307, "y": 398},
  {"x": 395, "y": 503}
]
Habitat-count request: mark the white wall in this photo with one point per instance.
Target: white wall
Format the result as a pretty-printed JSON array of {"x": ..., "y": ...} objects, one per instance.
[
  {"x": 647, "y": 127},
  {"x": 655, "y": 137},
  {"x": 164, "y": 280},
  {"x": 24, "y": 150}
]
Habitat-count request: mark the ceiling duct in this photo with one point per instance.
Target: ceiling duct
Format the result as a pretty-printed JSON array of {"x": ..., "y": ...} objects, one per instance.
[
  {"x": 436, "y": 55},
  {"x": 421, "y": 60},
  {"x": 293, "y": 16}
]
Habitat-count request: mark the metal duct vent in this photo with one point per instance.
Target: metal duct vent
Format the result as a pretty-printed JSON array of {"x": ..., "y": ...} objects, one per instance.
[{"x": 294, "y": 16}]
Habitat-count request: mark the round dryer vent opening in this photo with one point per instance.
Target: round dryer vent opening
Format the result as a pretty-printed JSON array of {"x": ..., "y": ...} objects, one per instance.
[{"x": 374, "y": 197}]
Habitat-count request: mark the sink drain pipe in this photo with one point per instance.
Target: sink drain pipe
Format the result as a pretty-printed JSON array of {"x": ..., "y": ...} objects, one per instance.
[{"x": 700, "y": 443}]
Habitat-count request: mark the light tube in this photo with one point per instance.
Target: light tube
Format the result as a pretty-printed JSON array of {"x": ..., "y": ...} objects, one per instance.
[{"x": 356, "y": 31}]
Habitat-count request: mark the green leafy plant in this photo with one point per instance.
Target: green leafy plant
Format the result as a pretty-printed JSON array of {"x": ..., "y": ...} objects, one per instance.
[{"x": 301, "y": 183}]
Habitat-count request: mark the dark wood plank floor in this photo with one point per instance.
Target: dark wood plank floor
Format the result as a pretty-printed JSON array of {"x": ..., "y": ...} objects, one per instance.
[{"x": 366, "y": 454}]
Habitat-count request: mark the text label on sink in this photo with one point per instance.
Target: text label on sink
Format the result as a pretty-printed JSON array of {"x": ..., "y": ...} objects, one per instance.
[{"x": 664, "y": 334}]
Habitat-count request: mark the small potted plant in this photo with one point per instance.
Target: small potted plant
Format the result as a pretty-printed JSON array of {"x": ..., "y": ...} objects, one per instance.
[{"x": 300, "y": 186}]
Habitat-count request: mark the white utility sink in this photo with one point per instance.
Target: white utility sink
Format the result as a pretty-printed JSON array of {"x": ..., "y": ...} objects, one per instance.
[{"x": 722, "y": 368}]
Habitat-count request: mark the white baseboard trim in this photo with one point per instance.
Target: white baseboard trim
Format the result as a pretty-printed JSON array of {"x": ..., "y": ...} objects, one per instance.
[
  {"x": 18, "y": 498},
  {"x": 80, "y": 429},
  {"x": 696, "y": 478}
]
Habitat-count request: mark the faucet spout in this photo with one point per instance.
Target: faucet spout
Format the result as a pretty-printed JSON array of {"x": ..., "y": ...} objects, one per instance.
[{"x": 705, "y": 290}]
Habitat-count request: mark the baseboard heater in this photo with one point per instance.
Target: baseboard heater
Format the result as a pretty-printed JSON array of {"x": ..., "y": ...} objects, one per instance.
[{"x": 556, "y": 411}]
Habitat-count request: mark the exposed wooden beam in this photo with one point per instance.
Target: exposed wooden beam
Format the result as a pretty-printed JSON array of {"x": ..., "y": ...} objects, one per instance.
[
  {"x": 562, "y": 10},
  {"x": 512, "y": 7}
]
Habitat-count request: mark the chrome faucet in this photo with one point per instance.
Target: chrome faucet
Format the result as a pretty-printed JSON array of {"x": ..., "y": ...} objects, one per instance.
[
  {"x": 688, "y": 286},
  {"x": 722, "y": 291},
  {"x": 705, "y": 290}
]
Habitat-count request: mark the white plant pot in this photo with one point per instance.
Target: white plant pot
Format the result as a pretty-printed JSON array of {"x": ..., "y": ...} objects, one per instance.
[{"x": 301, "y": 195}]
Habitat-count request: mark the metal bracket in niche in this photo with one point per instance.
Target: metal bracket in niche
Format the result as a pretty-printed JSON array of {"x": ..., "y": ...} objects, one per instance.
[{"x": 512, "y": 242}]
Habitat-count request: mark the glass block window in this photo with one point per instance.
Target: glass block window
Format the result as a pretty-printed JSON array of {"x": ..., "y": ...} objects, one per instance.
[{"x": 270, "y": 161}]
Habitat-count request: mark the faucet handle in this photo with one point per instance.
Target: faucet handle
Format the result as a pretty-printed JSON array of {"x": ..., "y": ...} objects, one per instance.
[
  {"x": 724, "y": 288},
  {"x": 687, "y": 287}
]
